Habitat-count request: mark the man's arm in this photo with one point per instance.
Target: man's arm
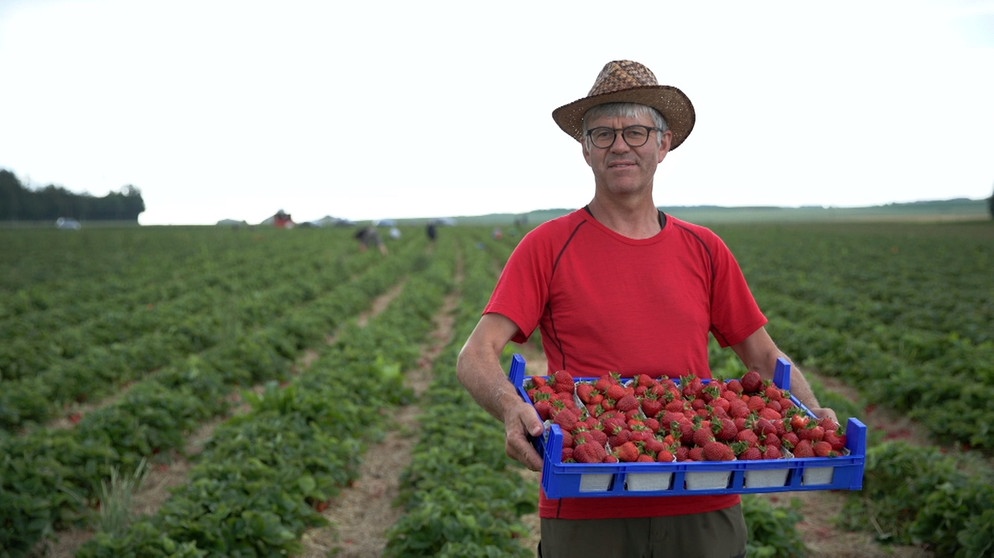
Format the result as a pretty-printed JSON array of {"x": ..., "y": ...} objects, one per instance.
[
  {"x": 759, "y": 352},
  {"x": 478, "y": 368}
]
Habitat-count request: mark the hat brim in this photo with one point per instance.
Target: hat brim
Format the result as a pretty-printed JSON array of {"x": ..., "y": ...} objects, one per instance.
[{"x": 675, "y": 107}]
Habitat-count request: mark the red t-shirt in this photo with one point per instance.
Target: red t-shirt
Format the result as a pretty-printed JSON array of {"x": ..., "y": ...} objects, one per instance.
[{"x": 608, "y": 303}]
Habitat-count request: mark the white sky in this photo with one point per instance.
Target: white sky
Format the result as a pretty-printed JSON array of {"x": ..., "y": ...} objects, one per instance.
[{"x": 221, "y": 109}]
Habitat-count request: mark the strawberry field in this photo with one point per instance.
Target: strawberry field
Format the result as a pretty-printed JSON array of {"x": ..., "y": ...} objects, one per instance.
[{"x": 121, "y": 346}]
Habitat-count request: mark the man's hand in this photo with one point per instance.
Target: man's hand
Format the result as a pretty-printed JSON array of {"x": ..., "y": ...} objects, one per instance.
[
  {"x": 825, "y": 412},
  {"x": 522, "y": 421}
]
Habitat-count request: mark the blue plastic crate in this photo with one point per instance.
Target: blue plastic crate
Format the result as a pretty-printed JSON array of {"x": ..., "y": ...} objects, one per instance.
[{"x": 696, "y": 477}]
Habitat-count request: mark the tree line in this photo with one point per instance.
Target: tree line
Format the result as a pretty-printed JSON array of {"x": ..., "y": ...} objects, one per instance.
[{"x": 19, "y": 203}]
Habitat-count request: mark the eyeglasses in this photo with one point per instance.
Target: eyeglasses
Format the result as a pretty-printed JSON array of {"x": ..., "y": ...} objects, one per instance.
[{"x": 634, "y": 136}]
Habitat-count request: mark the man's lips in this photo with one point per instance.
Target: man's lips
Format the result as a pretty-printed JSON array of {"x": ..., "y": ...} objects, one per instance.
[{"x": 621, "y": 164}]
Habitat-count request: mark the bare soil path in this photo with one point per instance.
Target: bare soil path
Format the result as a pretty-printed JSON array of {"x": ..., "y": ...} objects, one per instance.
[{"x": 363, "y": 512}]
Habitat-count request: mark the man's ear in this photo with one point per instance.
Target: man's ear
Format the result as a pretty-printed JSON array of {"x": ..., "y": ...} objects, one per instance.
[
  {"x": 586, "y": 153},
  {"x": 664, "y": 145}
]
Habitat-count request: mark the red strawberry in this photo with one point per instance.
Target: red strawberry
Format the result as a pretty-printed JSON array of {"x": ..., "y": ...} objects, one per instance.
[
  {"x": 756, "y": 403},
  {"x": 602, "y": 383},
  {"x": 562, "y": 381},
  {"x": 837, "y": 441},
  {"x": 627, "y": 403},
  {"x": 804, "y": 449},
  {"x": 640, "y": 433},
  {"x": 615, "y": 391},
  {"x": 619, "y": 438},
  {"x": 734, "y": 386},
  {"x": 738, "y": 409},
  {"x": 724, "y": 429},
  {"x": 651, "y": 405},
  {"x": 589, "y": 452},
  {"x": 652, "y": 424},
  {"x": 596, "y": 435},
  {"x": 748, "y": 436},
  {"x": 811, "y": 432},
  {"x": 585, "y": 391},
  {"x": 772, "y": 452},
  {"x": 677, "y": 405},
  {"x": 770, "y": 413},
  {"x": 764, "y": 426},
  {"x": 752, "y": 382},
  {"x": 703, "y": 435},
  {"x": 720, "y": 406},
  {"x": 798, "y": 421},
  {"x": 773, "y": 393},
  {"x": 686, "y": 431},
  {"x": 716, "y": 451},
  {"x": 566, "y": 418},
  {"x": 644, "y": 380},
  {"x": 627, "y": 452},
  {"x": 692, "y": 386},
  {"x": 665, "y": 456},
  {"x": 829, "y": 424},
  {"x": 751, "y": 453},
  {"x": 823, "y": 449},
  {"x": 544, "y": 408},
  {"x": 654, "y": 445},
  {"x": 711, "y": 391}
]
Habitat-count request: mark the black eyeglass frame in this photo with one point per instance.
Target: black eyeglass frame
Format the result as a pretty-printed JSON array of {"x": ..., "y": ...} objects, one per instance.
[{"x": 614, "y": 137}]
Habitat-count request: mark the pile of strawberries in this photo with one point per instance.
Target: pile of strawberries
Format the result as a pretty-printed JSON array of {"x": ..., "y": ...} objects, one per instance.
[{"x": 614, "y": 419}]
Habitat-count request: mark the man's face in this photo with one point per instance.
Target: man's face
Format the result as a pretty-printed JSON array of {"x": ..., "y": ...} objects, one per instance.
[{"x": 620, "y": 168}]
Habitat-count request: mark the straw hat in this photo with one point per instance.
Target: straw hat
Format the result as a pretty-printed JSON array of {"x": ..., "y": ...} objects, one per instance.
[{"x": 624, "y": 81}]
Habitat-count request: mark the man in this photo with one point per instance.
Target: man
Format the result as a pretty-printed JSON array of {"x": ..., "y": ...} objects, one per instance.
[
  {"x": 620, "y": 286},
  {"x": 369, "y": 237}
]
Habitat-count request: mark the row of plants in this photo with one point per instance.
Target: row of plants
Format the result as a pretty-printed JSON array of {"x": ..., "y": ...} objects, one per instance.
[
  {"x": 50, "y": 478},
  {"x": 903, "y": 315},
  {"x": 922, "y": 496},
  {"x": 266, "y": 474},
  {"x": 460, "y": 494},
  {"x": 903, "y": 312},
  {"x": 43, "y": 374}
]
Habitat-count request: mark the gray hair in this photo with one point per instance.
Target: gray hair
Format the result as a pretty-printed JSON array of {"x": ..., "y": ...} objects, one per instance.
[{"x": 626, "y": 110}]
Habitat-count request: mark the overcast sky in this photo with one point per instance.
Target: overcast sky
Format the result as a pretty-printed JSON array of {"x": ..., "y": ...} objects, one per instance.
[{"x": 219, "y": 109}]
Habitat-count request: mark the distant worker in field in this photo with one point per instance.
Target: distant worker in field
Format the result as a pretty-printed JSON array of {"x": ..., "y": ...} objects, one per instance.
[
  {"x": 369, "y": 237},
  {"x": 432, "y": 231},
  {"x": 618, "y": 285}
]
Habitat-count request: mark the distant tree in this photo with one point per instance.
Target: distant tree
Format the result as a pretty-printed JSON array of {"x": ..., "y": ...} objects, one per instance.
[{"x": 18, "y": 203}]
